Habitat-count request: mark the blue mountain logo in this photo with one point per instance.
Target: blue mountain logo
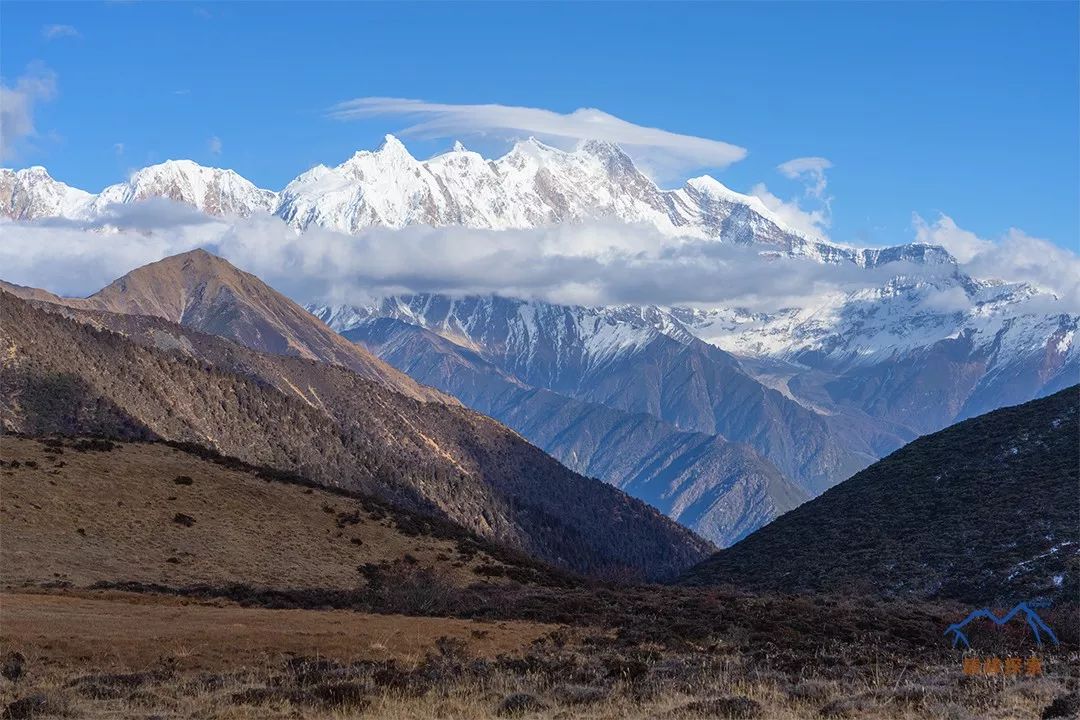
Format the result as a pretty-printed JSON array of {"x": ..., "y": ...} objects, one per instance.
[{"x": 1037, "y": 624}]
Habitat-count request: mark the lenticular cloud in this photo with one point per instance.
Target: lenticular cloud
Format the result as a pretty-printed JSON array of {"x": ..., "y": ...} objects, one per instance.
[{"x": 655, "y": 148}]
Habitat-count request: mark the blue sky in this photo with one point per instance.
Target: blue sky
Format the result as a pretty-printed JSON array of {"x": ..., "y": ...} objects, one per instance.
[{"x": 959, "y": 108}]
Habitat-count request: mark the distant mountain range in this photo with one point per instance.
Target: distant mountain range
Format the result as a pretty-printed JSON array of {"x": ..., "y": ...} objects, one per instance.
[
  {"x": 984, "y": 511},
  {"x": 722, "y": 417},
  {"x": 920, "y": 351},
  {"x": 533, "y": 185},
  {"x": 679, "y": 424},
  {"x": 152, "y": 371},
  {"x": 812, "y": 419},
  {"x": 721, "y": 489}
]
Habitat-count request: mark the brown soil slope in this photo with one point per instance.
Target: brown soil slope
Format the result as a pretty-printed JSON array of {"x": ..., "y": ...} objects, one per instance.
[
  {"x": 73, "y": 513},
  {"x": 120, "y": 631},
  {"x": 203, "y": 292}
]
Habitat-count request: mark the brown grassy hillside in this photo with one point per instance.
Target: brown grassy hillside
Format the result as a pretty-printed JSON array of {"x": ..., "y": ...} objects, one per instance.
[
  {"x": 201, "y": 291},
  {"x": 79, "y": 512},
  {"x": 161, "y": 380},
  {"x": 271, "y": 611}
]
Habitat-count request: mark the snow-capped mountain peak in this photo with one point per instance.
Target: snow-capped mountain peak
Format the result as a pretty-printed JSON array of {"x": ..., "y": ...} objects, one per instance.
[
  {"x": 532, "y": 185},
  {"x": 34, "y": 173},
  {"x": 710, "y": 187},
  {"x": 391, "y": 155},
  {"x": 609, "y": 153},
  {"x": 32, "y": 193},
  {"x": 391, "y": 145},
  {"x": 215, "y": 191},
  {"x": 532, "y": 146}
]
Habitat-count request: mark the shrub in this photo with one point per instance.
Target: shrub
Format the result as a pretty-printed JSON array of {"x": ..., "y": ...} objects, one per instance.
[
  {"x": 520, "y": 703},
  {"x": 182, "y": 519},
  {"x": 29, "y": 707},
  {"x": 850, "y": 707},
  {"x": 1064, "y": 706},
  {"x": 489, "y": 570},
  {"x": 735, "y": 708},
  {"x": 347, "y": 518},
  {"x": 340, "y": 694},
  {"x": 93, "y": 445},
  {"x": 13, "y": 666}
]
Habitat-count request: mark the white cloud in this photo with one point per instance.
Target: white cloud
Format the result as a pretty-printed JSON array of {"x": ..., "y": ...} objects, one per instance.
[
  {"x": 666, "y": 153},
  {"x": 961, "y": 244},
  {"x": 214, "y": 144},
  {"x": 813, "y": 223},
  {"x": 596, "y": 263},
  {"x": 946, "y": 300},
  {"x": 810, "y": 169},
  {"x": 52, "y": 32},
  {"x": 17, "y": 104},
  {"x": 1014, "y": 257},
  {"x": 76, "y": 261},
  {"x": 1020, "y": 257}
]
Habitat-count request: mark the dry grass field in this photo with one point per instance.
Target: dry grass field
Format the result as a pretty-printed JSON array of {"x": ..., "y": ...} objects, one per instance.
[
  {"x": 125, "y": 630},
  {"x": 116, "y": 655},
  {"x": 263, "y": 606}
]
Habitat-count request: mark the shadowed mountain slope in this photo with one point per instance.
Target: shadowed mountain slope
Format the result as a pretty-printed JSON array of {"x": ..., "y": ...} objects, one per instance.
[
  {"x": 720, "y": 489},
  {"x": 986, "y": 510},
  {"x": 622, "y": 359}
]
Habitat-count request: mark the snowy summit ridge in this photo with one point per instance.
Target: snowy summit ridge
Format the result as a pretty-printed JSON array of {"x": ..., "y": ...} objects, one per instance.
[{"x": 532, "y": 185}]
